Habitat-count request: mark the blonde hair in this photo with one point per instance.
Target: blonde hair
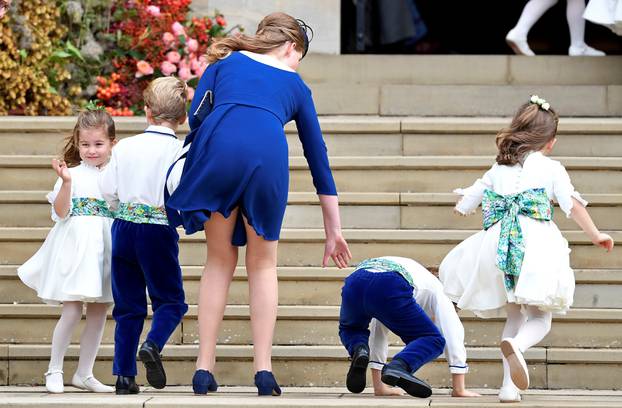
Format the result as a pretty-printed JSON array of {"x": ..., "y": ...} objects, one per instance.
[
  {"x": 166, "y": 98},
  {"x": 531, "y": 129},
  {"x": 88, "y": 119},
  {"x": 273, "y": 31}
]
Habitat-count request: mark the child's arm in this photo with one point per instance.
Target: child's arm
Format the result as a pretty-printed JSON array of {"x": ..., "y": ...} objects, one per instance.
[
  {"x": 580, "y": 215},
  {"x": 451, "y": 328},
  {"x": 62, "y": 200},
  {"x": 378, "y": 352},
  {"x": 472, "y": 196}
]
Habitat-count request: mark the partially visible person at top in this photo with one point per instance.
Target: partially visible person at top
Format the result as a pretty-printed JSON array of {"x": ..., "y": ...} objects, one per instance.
[
  {"x": 534, "y": 9},
  {"x": 235, "y": 180}
]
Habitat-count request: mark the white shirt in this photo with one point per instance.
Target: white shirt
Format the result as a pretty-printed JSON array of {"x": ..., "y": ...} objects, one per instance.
[
  {"x": 537, "y": 171},
  {"x": 137, "y": 169},
  {"x": 428, "y": 293}
]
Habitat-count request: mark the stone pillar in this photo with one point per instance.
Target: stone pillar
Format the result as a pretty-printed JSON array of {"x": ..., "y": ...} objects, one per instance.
[{"x": 324, "y": 16}]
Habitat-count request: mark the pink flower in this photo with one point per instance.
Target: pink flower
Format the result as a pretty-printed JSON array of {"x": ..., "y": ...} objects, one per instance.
[
  {"x": 167, "y": 68},
  {"x": 192, "y": 44},
  {"x": 143, "y": 68},
  {"x": 190, "y": 93},
  {"x": 153, "y": 10},
  {"x": 173, "y": 57},
  {"x": 185, "y": 74},
  {"x": 184, "y": 63},
  {"x": 168, "y": 38},
  {"x": 178, "y": 29},
  {"x": 195, "y": 65}
]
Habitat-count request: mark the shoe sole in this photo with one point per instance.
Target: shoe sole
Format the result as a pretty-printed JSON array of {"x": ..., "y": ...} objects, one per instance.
[
  {"x": 156, "y": 377},
  {"x": 514, "y": 47},
  {"x": 412, "y": 388},
  {"x": 125, "y": 392},
  {"x": 356, "y": 379},
  {"x": 520, "y": 376}
]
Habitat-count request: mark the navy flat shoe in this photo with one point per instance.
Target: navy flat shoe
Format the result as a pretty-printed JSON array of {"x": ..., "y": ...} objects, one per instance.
[
  {"x": 266, "y": 384},
  {"x": 203, "y": 382}
]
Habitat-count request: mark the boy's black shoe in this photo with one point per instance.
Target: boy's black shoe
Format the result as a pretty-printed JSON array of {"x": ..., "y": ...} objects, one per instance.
[
  {"x": 356, "y": 379},
  {"x": 397, "y": 373},
  {"x": 149, "y": 354},
  {"x": 126, "y": 385}
]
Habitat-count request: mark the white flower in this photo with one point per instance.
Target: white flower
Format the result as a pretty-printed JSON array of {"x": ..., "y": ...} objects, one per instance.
[
  {"x": 546, "y": 106},
  {"x": 540, "y": 101},
  {"x": 534, "y": 98}
]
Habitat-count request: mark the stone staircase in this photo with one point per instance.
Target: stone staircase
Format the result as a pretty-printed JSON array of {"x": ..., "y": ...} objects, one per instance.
[{"x": 395, "y": 175}]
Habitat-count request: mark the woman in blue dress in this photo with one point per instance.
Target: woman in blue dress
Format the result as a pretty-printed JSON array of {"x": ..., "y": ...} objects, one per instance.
[{"x": 235, "y": 180}]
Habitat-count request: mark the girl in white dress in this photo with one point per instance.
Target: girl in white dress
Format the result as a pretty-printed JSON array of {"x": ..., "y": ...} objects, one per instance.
[
  {"x": 519, "y": 264},
  {"x": 73, "y": 264}
]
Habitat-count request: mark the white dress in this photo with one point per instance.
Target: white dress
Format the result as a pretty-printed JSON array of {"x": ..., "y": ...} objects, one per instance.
[
  {"x": 469, "y": 272},
  {"x": 73, "y": 264},
  {"x": 605, "y": 12}
]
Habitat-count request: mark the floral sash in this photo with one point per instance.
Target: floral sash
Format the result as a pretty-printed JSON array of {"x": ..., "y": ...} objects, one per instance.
[
  {"x": 88, "y": 206},
  {"x": 141, "y": 214},
  {"x": 387, "y": 266},
  {"x": 533, "y": 203}
]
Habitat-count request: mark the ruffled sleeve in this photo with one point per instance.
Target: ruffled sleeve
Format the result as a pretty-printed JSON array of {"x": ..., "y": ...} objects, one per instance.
[
  {"x": 472, "y": 196},
  {"x": 564, "y": 190},
  {"x": 51, "y": 197}
]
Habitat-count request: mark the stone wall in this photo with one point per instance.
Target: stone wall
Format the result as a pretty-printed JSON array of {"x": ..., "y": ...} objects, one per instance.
[{"x": 324, "y": 16}]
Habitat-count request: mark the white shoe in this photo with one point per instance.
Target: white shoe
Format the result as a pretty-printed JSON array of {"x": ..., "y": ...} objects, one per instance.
[
  {"x": 584, "y": 51},
  {"x": 518, "y": 44},
  {"x": 54, "y": 382},
  {"x": 509, "y": 394},
  {"x": 90, "y": 383},
  {"x": 518, "y": 366}
]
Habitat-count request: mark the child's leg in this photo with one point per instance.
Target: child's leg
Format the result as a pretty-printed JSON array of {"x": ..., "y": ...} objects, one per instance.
[
  {"x": 576, "y": 22},
  {"x": 130, "y": 299},
  {"x": 69, "y": 319},
  {"x": 158, "y": 256},
  {"x": 263, "y": 294},
  {"x": 515, "y": 319},
  {"x": 353, "y": 318},
  {"x": 91, "y": 337},
  {"x": 404, "y": 317},
  {"x": 536, "y": 327},
  {"x": 215, "y": 282},
  {"x": 532, "y": 12}
]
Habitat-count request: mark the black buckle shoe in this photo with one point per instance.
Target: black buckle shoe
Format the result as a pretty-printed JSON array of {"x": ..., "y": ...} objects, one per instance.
[
  {"x": 356, "y": 379},
  {"x": 126, "y": 385},
  {"x": 149, "y": 354},
  {"x": 397, "y": 373}
]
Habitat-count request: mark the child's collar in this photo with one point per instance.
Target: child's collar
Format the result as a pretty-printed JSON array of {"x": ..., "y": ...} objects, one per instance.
[{"x": 163, "y": 130}]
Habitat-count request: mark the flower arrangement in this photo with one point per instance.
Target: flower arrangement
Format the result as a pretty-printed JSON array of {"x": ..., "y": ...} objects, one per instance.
[{"x": 60, "y": 54}]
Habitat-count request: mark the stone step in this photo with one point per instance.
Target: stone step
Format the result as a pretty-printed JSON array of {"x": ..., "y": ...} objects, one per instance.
[
  {"x": 357, "y": 210},
  {"x": 295, "y": 397},
  {"x": 461, "y": 70},
  {"x": 366, "y": 174},
  {"x": 304, "y": 247},
  {"x": 327, "y": 366},
  {"x": 353, "y": 135},
  {"x": 318, "y": 325},
  {"x": 316, "y": 286}
]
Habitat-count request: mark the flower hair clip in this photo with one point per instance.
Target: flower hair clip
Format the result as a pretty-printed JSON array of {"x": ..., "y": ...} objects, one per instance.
[
  {"x": 542, "y": 103},
  {"x": 93, "y": 105}
]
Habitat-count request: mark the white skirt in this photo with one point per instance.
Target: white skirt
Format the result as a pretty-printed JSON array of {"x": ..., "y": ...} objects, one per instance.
[
  {"x": 605, "y": 12},
  {"x": 472, "y": 280},
  {"x": 73, "y": 264}
]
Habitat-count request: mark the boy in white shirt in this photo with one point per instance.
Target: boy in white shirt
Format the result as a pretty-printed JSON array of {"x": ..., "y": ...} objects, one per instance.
[
  {"x": 144, "y": 246},
  {"x": 428, "y": 293}
]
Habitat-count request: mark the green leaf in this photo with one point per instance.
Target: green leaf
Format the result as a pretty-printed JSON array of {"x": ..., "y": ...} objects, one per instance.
[
  {"x": 52, "y": 90},
  {"x": 23, "y": 53},
  {"x": 60, "y": 54},
  {"x": 137, "y": 55},
  {"x": 182, "y": 40},
  {"x": 72, "y": 50}
]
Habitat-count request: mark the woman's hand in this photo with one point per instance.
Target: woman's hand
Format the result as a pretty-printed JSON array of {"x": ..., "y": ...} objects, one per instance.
[
  {"x": 336, "y": 248},
  {"x": 604, "y": 240},
  {"x": 61, "y": 169}
]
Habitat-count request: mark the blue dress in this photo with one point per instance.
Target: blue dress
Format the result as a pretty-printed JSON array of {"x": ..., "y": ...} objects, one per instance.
[{"x": 239, "y": 155}]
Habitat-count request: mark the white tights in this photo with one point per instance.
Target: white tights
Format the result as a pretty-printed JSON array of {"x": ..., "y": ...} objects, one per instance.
[
  {"x": 534, "y": 9},
  {"x": 89, "y": 342},
  {"x": 527, "y": 331}
]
